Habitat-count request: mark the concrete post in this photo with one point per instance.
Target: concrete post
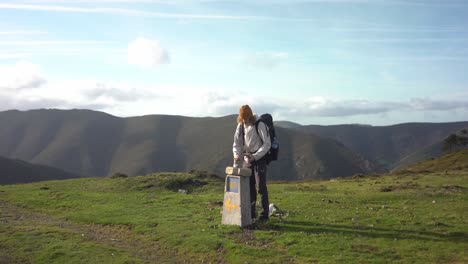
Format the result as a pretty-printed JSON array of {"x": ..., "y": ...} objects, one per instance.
[{"x": 236, "y": 208}]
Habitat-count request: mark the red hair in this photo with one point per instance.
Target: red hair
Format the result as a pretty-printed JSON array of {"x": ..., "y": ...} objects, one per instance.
[{"x": 245, "y": 115}]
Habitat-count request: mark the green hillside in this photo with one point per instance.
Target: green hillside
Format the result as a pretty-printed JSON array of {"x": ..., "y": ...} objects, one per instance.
[
  {"x": 97, "y": 144},
  {"x": 422, "y": 218},
  {"x": 389, "y": 147},
  {"x": 430, "y": 152},
  {"x": 452, "y": 161},
  {"x": 18, "y": 171}
]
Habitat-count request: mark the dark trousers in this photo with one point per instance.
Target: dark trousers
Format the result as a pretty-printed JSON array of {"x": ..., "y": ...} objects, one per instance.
[{"x": 258, "y": 183}]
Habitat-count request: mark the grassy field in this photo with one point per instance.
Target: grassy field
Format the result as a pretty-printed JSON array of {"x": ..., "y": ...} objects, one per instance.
[{"x": 405, "y": 218}]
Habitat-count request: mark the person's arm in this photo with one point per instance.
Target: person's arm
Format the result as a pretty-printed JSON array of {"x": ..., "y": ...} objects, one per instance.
[
  {"x": 265, "y": 136},
  {"x": 237, "y": 146}
]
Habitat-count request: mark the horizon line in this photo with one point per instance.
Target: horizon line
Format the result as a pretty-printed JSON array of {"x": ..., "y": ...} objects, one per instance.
[{"x": 222, "y": 116}]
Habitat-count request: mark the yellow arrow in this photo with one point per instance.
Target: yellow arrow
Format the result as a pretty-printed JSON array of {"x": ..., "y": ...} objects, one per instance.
[{"x": 230, "y": 206}]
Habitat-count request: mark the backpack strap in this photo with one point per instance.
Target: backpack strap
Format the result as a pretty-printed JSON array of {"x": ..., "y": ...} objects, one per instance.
[
  {"x": 256, "y": 127},
  {"x": 242, "y": 134}
]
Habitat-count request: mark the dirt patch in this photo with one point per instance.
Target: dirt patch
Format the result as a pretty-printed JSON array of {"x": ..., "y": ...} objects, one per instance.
[
  {"x": 116, "y": 233},
  {"x": 440, "y": 224},
  {"x": 358, "y": 176},
  {"x": 214, "y": 204},
  {"x": 306, "y": 188},
  {"x": 365, "y": 248},
  {"x": 246, "y": 237},
  {"x": 408, "y": 185},
  {"x": 403, "y": 186},
  {"x": 453, "y": 188},
  {"x": 386, "y": 189}
]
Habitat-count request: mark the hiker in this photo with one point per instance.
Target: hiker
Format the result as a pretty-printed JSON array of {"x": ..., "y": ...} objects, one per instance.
[{"x": 251, "y": 146}]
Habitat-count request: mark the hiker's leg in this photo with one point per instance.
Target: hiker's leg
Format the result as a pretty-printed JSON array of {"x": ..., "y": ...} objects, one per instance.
[
  {"x": 253, "y": 195},
  {"x": 260, "y": 175}
]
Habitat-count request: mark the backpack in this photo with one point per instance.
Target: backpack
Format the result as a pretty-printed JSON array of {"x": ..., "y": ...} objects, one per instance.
[{"x": 272, "y": 154}]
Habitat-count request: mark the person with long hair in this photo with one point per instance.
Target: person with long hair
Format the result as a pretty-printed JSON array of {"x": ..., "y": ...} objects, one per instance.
[{"x": 251, "y": 143}]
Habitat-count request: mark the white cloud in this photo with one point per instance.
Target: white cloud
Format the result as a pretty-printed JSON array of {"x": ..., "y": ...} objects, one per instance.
[
  {"x": 184, "y": 21},
  {"x": 22, "y": 75},
  {"x": 403, "y": 40},
  {"x": 23, "y": 86},
  {"x": 14, "y": 55},
  {"x": 380, "y": 28},
  {"x": 225, "y": 103},
  {"x": 423, "y": 58},
  {"x": 123, "y": 99},
  {"x": 102, "y": 93},
  {"x": 146, "y": 53},
  {"x": 12, "y": 102},
  {"x": 20, "y": 32},
  {"x": 115, "y": 92},
  {"x": 82, "y": 94},
  {"x": 130, "y": 12},
  {"x": 378, "y": 2},
  {"x": 426, "y": 104},
  {"x": 328, "y": 107},
  {"x": 266, "y": 59},
  {"x": 51, "y": 42}
]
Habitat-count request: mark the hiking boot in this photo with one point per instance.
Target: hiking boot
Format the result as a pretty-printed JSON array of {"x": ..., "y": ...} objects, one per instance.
[{"x": 263, "y": 218}]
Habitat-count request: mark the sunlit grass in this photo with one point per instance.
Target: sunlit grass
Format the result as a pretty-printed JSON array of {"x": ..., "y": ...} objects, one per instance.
[{"x": 417, "y": 218}]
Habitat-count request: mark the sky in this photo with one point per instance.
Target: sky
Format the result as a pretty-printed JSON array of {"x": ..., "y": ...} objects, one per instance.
[{"x": 377, "y": 62}]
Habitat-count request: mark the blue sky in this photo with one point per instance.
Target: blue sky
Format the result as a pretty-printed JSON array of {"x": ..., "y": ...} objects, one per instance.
[{"x": 378, "y": 62}]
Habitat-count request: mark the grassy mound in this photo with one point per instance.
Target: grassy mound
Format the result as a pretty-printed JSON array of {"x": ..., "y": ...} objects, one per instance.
[{"x": 188, "y": 182}]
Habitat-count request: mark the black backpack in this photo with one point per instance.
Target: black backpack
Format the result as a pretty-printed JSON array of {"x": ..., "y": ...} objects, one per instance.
[{"x": 272, "y": 154}]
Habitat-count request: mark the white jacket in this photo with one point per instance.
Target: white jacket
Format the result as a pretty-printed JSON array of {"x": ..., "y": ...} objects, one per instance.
[{"x": 257, "y": 144}]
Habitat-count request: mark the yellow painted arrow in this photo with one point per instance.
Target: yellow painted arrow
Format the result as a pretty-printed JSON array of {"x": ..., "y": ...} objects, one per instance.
[{"x": 230, "y": 206}]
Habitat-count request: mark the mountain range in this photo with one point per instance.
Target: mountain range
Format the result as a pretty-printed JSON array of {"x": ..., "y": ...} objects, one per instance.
[
  {"x": 90, "y": 143},
  {"x": 387, "y": 147},
  {"x": 93, "y": 143}
]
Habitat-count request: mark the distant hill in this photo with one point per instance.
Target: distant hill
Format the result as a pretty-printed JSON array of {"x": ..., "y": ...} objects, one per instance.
[
  {"x": 18, "y": 171},
  {"x": 94, "y": 143},
  {"x": 389, "y": 147},
  {"x": 429, "y": 152},
  {"x": 452, "y": 161},
  {"x": 287, "y": 124}
]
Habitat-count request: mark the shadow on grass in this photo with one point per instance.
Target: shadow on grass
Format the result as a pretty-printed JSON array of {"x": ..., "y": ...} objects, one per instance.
[{"x": 311, "y": 228}]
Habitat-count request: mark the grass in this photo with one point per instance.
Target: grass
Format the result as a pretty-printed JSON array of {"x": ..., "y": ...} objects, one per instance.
[
  {"x": 452, "y": 161},
  {"x": 404, "y": 218}
]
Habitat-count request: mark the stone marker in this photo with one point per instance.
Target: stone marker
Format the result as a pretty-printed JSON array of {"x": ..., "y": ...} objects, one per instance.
[{"x": 236, "y": 207}]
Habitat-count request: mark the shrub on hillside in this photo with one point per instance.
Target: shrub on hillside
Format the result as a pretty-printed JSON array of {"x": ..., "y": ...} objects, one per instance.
[
  {"x": 204, "y": 174},
  {"x": 456, "y": 141},
  {"x": 177, "y": 183},
  {"x": 118, "y": 175}
]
